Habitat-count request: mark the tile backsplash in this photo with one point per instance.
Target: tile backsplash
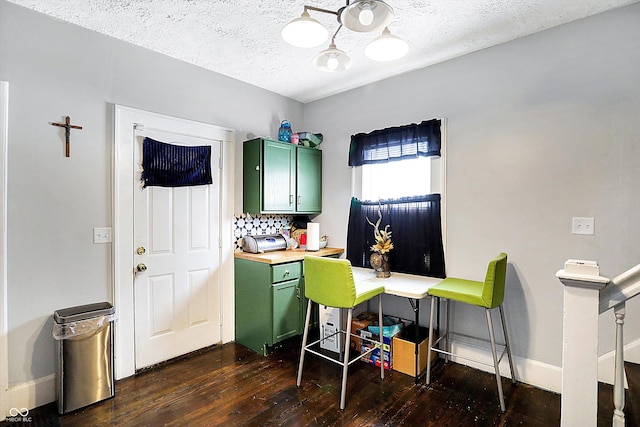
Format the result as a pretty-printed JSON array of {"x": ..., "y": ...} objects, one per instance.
[{"x": 252, "y": 225}]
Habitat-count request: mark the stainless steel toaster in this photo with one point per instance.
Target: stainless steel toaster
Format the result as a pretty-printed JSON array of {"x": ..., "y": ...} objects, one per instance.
[{"x": 263, "y": 243}]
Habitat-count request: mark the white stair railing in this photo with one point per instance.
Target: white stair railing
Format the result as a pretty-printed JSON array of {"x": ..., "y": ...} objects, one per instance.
[
  {"x": 615, "y": 295},
  {"x": 620, "y": 289},
  {"x": 586, "y": 295},
  {"x": 618, "y": 378}
]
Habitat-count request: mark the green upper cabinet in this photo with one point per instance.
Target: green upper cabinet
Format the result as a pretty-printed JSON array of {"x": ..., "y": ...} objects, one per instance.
[
  {"x": 281, "y": 178},
  {"x": 309, "y": 180},
  {"x": 278, "y": 176}
]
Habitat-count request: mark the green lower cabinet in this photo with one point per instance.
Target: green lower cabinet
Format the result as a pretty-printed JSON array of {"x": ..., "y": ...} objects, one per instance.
[
  {"x": 286, "y": 310},
  {"x": 269, "y": 303}
]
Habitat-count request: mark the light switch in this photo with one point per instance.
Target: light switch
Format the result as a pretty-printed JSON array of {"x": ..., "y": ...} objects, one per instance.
[
  {"x": 102, "y": 235},
  {"x": 583, "y": 225}
]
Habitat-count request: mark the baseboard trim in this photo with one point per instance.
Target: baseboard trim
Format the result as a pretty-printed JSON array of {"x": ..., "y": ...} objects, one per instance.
[
  {"x": 32, "y": 394},
  {"x": 538, "y": 374}
]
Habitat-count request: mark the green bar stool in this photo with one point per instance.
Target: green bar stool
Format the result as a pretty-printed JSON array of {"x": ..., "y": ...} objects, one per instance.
[
  {"x": 488, "y": 294},
  {"x": 329, "y": 282}
]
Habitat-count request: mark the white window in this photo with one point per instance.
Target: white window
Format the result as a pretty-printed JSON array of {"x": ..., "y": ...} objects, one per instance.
[{"x": 393, "y": 180}]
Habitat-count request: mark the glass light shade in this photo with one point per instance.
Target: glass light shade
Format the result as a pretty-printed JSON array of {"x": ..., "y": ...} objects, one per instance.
[
  {"x": 304, "y": 32},
  {"x": 386, "y": 47},
  {"x": 332, "y": 59},
  {"x": 365, "y": 16}
]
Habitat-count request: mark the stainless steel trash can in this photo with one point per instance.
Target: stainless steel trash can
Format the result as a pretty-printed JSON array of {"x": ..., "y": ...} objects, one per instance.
[{"x": 84, "y": 337}]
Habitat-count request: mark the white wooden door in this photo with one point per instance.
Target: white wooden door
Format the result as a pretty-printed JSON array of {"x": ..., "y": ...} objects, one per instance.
[{"x": 176, "y": 237}]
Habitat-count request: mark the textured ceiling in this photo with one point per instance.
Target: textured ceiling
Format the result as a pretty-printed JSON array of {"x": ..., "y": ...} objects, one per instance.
[{"x": 241, "y": 38}]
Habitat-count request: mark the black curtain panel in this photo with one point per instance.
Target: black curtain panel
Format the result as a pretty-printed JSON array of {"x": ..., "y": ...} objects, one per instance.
[
  {"x": 169, "y": 165},
  {"x": 396, "y": 143},
  {"x": 415, "y": 225}
]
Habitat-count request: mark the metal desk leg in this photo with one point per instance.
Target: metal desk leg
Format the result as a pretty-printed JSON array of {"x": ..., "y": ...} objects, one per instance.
[{"x": 415, "y": 305}]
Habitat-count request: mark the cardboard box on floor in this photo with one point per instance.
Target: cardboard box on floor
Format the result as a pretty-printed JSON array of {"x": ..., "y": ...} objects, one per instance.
[
  {"x": 404, "y": 356},
  {"x": 359, "y": 326},
  {"x": 331, "y": 321},
  {"x": 374, "y": 357}
]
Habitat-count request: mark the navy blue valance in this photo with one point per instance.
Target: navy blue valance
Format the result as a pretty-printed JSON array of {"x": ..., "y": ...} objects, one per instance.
[
  {"x": 395, "y": 143},
  {"x": 169, "y": 165}
]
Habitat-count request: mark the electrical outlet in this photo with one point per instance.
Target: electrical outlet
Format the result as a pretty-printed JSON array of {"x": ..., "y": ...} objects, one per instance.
[
  {"x": 102, "y": 235},
  {"x": 582, "y": 225}
]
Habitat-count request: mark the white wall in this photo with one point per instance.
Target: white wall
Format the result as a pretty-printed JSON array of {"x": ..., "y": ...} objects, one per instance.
[
  {"x": 539, "y": 130},
  {"x": 57, "y": 69}
]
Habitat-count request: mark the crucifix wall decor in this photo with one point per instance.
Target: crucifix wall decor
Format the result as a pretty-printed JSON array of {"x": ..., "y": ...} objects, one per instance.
[{"x": 67, "y": 131}]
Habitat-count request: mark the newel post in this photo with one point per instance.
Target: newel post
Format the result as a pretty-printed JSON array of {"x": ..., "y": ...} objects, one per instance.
[{"x": 582, "y": 283}]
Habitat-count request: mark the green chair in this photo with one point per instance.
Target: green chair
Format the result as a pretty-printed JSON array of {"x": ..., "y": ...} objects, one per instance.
[
  {"x": 329, "y": 282},
  {"x": 488, "y": 294}
]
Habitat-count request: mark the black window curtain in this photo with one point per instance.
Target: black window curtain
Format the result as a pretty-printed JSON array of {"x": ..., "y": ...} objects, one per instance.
[
  {"x": 396, "y": 143},
  {"x": 416, "y": 234}
]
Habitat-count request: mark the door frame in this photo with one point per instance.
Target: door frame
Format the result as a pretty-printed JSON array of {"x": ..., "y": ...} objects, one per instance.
[
  {"x": 4, "y": 303},
  {"x": 125, "y": 121}
]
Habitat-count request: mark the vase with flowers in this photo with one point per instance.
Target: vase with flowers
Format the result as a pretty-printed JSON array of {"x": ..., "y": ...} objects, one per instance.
[{"x": 379, "y": 259}]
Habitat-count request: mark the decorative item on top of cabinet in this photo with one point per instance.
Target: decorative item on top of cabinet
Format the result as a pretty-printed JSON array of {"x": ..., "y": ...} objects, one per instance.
[{"x": 281, "y": 178}]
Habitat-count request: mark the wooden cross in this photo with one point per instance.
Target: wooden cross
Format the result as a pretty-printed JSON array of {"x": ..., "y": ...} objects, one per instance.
[{"x": 67, "y": 132}]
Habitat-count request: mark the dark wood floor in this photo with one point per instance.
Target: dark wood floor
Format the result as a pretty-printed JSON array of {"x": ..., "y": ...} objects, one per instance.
[{"x": 232, "y": 386}]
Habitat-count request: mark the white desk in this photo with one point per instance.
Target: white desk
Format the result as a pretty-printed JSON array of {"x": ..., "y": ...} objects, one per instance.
[
  {"x": 399, "y": 284},
  {"x": 403, "y": 285}
]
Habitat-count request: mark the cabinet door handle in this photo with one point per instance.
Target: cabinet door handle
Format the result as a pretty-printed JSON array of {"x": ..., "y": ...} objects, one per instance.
[
  {"x": 298, "y": 292},
  {"x": 299, "y": 199},
  {"x": 290, "y": 199}
]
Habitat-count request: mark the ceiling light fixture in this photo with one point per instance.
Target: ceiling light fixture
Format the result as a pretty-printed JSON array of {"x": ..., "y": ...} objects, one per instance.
[
  {"x": 362, "y": 16},
  {"x": 386, "y": 47},
  {"x": 304, "y": 31},
  {"x": 366, "y": 16},
  {"x": 332, "y": 59}
]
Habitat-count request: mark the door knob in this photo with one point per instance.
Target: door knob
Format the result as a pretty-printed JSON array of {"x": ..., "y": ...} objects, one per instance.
[
  {"x": 141, "y": 250},
  {"x": 141, "y": 268}
]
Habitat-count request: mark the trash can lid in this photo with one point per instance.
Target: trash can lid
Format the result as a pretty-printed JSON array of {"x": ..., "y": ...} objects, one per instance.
[{"x": 82, "y": 312}]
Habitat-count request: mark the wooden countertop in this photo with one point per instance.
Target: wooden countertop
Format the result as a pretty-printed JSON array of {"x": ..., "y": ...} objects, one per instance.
[{"x": 279, "y": 257}]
